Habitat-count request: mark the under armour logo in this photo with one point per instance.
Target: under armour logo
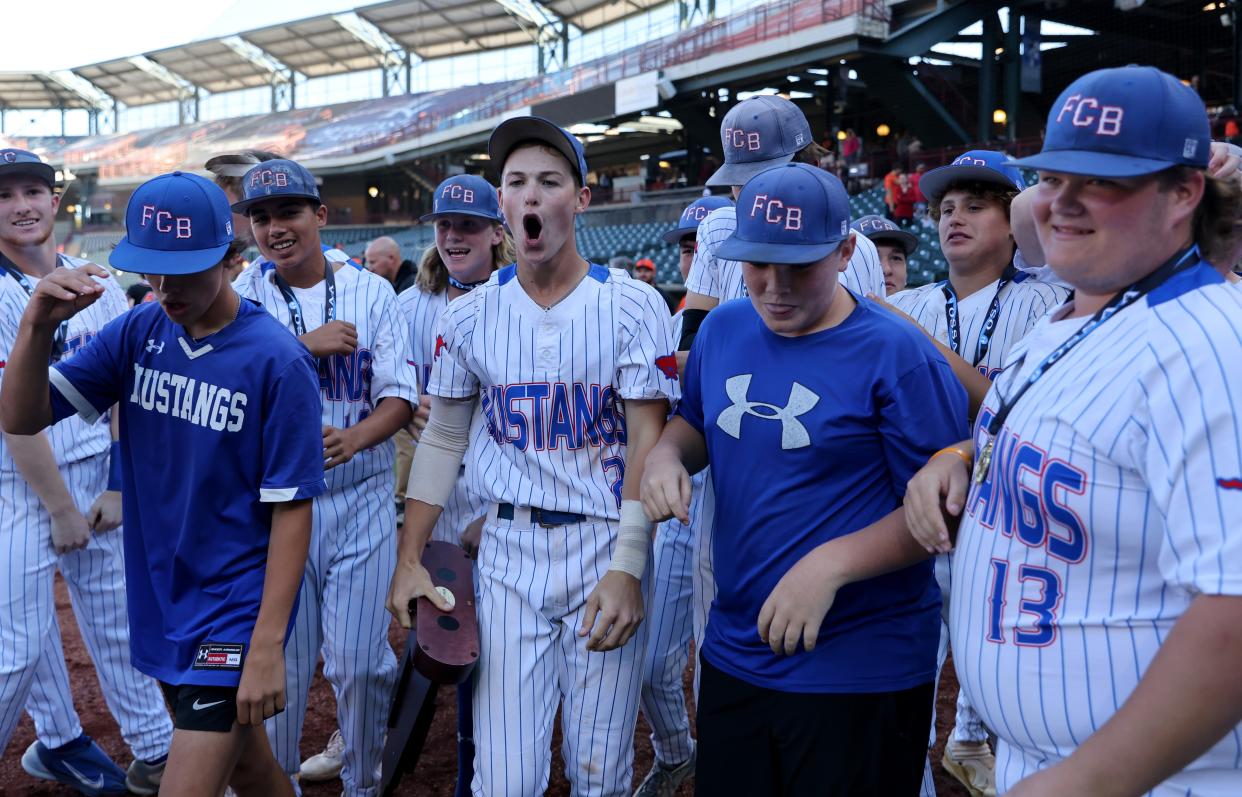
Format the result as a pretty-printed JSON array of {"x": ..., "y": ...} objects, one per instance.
[
  {"x": 793, "y": 433},
  {"x": 158, "y": 348}
]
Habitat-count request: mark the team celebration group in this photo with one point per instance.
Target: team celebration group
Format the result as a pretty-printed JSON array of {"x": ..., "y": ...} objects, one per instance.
[{"x": 817, "y": 482}]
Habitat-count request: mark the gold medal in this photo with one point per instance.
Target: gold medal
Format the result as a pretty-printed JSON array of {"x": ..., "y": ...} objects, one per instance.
[{"x": 983, "y": 462}]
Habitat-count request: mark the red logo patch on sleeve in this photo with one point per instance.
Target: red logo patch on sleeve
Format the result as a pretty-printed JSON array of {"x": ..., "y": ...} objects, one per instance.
[
  {"x": 1229, "y": 484},
  {"x": 667, "y": 365},
  {"x": 440, "y": 344}
]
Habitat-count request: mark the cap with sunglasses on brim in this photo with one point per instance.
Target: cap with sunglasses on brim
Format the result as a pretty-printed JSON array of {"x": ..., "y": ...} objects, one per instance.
[
  {"x": 276, "y": 179},
  {"x": 19, "y": 161},
  {"x": 883, "y": 231},
  {"x": 175, "y": 224},
  {"x": 236, "y": 164},
  {"x": 511, "y": 132},
  {"x": 794, "y": 214}
]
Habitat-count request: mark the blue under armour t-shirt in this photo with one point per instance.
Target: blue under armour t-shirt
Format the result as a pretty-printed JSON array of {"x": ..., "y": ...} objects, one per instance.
[
  {"x": 811, "y": 438},
  {"x": 213, "y": 432}
]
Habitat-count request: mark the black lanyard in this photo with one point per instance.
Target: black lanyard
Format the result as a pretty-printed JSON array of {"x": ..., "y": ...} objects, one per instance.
[
  {"x": 953, "y": 317},
  {"x": 62, "y": 331},
  {"x": 1115, "y": 305},
  {"x": 295, "y": 307}
]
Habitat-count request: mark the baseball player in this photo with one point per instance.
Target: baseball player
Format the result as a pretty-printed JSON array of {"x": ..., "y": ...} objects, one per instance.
[
  {"x": 893, "y": 245},
  {"x": 61, "y": 510},
  {"x": 348, "y": 318},
  {"x": 1096, "y": 560},
  {"x": 217, "y": 466},
  {"x": 791, "y": 378},
  {"x": 980, "y": 312},
  {"x": 673, "y": 606},
  {"x": 572, "y": 366}
]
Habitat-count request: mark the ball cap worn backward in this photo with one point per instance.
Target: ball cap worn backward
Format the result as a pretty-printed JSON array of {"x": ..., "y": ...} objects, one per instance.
[
  {"x": 794, "y": 214},
  {"x": 19, "y": 161},
  {"x": 511, "y": 132},
  {"x": 693, "y": 215},
  {"x": 276, "y": 178},
  {"x": 1124, "y": 122},
  {"x": 176, "y": 223},
  {"x": 467, "y": 195},
  {"x": 757, "y": 134},
  {"x": 881, "y": 230},
  {"x": 977, "y": 165}
]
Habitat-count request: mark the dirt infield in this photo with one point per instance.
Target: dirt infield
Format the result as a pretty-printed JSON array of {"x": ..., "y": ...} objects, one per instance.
[{"x": 436, "y": 771}]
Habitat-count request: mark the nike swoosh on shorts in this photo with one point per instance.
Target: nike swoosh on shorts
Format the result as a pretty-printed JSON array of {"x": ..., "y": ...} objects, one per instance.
[{"x": 200, "y": 706}]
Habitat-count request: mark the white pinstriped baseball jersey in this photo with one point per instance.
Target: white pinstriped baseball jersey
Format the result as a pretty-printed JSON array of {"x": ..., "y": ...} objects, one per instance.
[
  {"x": 422, "y": 312},
  {"x": 1022, "y": 304},
  {"x": 1112, "y": 501},
  {"x": 73, "y": 439},
  {"x": 722, "y": 279},
  {"x": 552, "y": 385},
  {"x": 351, "y": 385}
]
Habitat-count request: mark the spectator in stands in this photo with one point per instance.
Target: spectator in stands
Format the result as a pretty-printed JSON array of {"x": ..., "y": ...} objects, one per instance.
[
  {"x": 645, "y": 271},
  {"x": 904, "y": 197},
  {"x": 890, "y": 187},
  {"x": 920, "y": 201},
  {"x": 851, "y": 147},
  {"x": 894, "y": 245},
  {"x": 137, "y": 293},
  {"x": 383, "y": 256}
]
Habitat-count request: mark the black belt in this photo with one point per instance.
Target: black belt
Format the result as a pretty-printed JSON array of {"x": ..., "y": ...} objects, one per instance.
[{"x": 544, "y": 517}]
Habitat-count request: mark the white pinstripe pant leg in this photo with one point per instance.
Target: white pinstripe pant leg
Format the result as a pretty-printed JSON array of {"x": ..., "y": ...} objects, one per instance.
[
  {"x": 27, "y": 610},
  {"x": 702, "y": 521},
  {"x": 668, "y": 638},
  {"x": 50, "y": 703},
  {"x": 358, "y": 661}
]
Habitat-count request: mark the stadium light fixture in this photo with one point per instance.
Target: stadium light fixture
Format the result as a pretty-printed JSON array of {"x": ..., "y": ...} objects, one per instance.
[
  {"x": 665, "y": 165},
  {"x": 1210, "y": 7},
  {"x": 883, "y": 130},
  {"x": 373, "y": 192},
  {"x": 999, "y": 116},
  {"x": 840, "y": 135}
]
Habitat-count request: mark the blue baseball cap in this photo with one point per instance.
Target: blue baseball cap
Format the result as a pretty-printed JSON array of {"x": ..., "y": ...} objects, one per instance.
[
  {"x": 694, "y": 213},
  {"x": 793, "y": 214},
  {"x": 466, "y": 194},
  {"x": 757, "y": 134},
  {"x": 19, "y": 161},
  {"x": 276, "y": 178},
  {"x": 176, "y": 223},
  {"x": 977, "y": 165},
  {"x": 880, "y": 229},
  {"x": 511, "y": 132},
  {"x": 1124, "y": 122}
]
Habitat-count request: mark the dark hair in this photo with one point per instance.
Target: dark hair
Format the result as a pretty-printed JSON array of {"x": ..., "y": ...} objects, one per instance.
[
  {"x": 810, "y": 154},
  {"x": 579, "y": 179},
  {"x": 1216, "y": 218},
  {"x": 979, "y": 188}
]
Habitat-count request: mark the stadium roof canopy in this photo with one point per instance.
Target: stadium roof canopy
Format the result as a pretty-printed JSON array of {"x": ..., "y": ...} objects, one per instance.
[{"x": 41, "y": 90}]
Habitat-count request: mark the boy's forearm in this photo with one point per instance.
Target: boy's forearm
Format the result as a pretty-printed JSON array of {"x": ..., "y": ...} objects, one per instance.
[
  {"x": 32, "y": 454},
  {"x": 25, "y": 400},
  {"x": 882, "y": 547},
  {"x": 286, "y": 561},
  {"x": 644, "y": 422},
  {"x": 685, "y": 443},
  {"x": 390, "y": 414}
]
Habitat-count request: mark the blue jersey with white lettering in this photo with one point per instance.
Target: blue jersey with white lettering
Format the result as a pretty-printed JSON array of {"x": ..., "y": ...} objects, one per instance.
[
  {"x": 213, "y": 431},
  {"x": 811, "y": 438}
]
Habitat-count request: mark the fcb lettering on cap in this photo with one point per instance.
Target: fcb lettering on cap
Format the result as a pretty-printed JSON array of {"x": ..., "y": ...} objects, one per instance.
[
  {"x": 466, "y": 195},
  {"x": 278, "y": 178},
  {"x": 757, "y": 134},
  {"x": 1124, "y": 122},
  {"x": 882, "y": 230},
  {"x": 975, "y": 166},
  {"x": 176, "y": 223},
  {"x": 693, "y": 215},
  {"x": 794, "y": 214}
]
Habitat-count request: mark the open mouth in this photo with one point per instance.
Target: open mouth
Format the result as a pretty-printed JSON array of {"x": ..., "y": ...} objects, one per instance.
[
  {"x": 25, "y": 224},
  {"x": 457, "y": 253},
  {"x": 957, "y": 236},
  {"x": 174, "y": 308},
  {"x": 1075, "y": 231},
  {"x": 281, "y": 246},
  {"x": 533, "y": 227}
]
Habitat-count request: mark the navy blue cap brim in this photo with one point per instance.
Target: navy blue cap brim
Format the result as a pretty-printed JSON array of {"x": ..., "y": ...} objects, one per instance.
[
  {"x": 735, "y": 248},
  {"x": 140, "y": 260},
  {"x": 1094, "y": 164},
  {"x": 512, "y": 132},
  {"x": 675, "y": 235},
  {"x": 475, "y": 213},
  {"x": 731, "y": 174},
  {"x": 906, "y": 240},
  {"x": 935, "y": 183},
  {"x": 245, "y": 204},
  {"x": 41, "y": 171}
]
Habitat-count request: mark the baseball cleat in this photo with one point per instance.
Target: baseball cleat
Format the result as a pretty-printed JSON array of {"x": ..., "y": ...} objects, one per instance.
[
  {"x": 663, "y": 781},
  {"x": 144, "y": 777},
  {"x": 973, "y": 764},
  {"x": 80, "y": 765},
  {"x": 326, "y": 765}
]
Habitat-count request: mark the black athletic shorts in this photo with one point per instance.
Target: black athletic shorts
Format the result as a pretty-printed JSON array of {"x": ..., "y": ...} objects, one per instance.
[
  {"x": 202, "y": 708},
  {"x": 758, "y": 741}
]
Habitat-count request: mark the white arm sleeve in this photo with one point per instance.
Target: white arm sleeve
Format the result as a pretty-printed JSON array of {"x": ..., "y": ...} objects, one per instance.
[{"x": 437, "y": 459}]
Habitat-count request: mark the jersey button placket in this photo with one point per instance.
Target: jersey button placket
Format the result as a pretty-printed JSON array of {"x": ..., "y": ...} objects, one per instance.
[{"x": 546, "y": 340}]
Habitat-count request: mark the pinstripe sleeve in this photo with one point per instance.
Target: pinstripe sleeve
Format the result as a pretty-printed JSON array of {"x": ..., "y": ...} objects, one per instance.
[
  {"x": 391, "y": 372},
  {"x": 1193, "y": 429},
  {"x": 450, "y": 376},
  {"x": 864, "y": 274},
  {"x": 704, "y": 277},
  {"x": 645, "y": 358}
]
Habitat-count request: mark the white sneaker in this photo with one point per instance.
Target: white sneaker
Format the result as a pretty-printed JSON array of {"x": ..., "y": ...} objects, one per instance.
[{"x": 325, "y": 765}]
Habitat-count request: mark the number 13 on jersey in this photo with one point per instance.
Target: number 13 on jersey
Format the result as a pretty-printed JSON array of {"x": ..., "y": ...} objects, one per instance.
[{"x": 1038, "y": 592}]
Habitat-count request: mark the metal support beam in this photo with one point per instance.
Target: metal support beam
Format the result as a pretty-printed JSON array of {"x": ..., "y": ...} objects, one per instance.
[
  {"x": 284, "y": 97},
  {"x": 987, "y": 77},
  {"x": 187, "y": 108},
  {"x": 1013, "y": 73},
  {"x": 694, "y": 12},
  {"x": 940, "y": 25},
  {"x": 910, "y": 101}
]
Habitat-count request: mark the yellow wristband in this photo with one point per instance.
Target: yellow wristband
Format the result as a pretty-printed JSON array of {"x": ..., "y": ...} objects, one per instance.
[{"x": 954, "y": 450}]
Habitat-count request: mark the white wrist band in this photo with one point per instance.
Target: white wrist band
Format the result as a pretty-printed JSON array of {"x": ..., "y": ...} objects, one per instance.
[{"x": 633, "y": 540}]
